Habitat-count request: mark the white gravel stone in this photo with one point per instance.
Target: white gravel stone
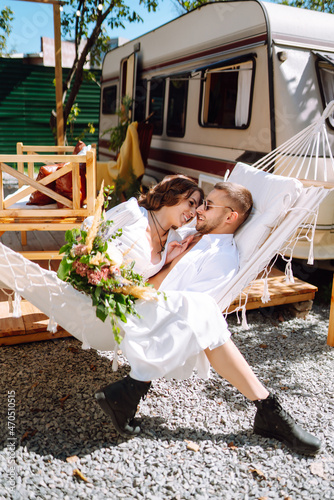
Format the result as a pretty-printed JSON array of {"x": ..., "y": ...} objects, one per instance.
[{"x": 297, "y": 365}]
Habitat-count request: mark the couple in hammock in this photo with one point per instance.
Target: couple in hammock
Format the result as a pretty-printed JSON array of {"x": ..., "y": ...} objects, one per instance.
[{"x": 188, "y": 330}]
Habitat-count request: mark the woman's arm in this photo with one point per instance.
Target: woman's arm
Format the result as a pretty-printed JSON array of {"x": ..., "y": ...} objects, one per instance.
[
  {"x": 176, "y": 248},
  {"x": 158, "y": 278}
]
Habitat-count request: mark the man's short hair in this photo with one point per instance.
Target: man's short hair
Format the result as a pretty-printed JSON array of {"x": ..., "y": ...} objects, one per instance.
[{"x": 240, "y": 198}]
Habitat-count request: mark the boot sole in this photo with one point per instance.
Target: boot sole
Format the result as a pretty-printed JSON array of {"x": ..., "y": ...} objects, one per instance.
[
  {"x": 102, "y": 402},
  {"x": 300, "y": 450}
]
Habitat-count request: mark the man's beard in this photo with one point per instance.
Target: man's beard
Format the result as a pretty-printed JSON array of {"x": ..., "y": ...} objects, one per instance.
[{"x": 205, "y": 228}]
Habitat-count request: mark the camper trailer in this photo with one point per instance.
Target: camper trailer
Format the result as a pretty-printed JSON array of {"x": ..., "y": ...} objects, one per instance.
[{"x": 227, "y": 82}]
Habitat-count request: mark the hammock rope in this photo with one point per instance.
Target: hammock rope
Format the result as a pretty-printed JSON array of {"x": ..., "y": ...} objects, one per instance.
[{"x": 304, "y": 154}]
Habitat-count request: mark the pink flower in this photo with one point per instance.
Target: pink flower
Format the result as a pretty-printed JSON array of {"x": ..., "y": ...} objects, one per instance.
[
  {"x": 95, "y": 276},
  {"x": 80, "y": 268},
  {"x": 79, "y": 249}
]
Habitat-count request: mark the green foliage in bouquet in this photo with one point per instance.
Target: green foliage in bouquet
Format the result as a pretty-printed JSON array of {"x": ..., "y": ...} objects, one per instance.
[{"x": 96, "y": 267}]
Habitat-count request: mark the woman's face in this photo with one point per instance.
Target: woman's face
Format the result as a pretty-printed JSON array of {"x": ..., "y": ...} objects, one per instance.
[{"x": 183, "y": 212}]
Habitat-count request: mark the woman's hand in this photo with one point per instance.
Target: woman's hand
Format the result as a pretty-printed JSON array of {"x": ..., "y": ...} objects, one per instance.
[{"x": 176, "y": 248}]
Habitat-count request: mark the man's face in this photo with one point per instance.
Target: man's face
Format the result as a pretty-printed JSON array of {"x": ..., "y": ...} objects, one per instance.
[{"x": 212, "y": 220}]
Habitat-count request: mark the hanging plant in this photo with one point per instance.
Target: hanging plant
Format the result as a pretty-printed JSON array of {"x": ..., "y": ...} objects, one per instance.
[{"x": 118, "y": 133}]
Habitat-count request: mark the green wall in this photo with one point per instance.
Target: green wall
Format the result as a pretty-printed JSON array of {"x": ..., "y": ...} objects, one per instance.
[{"x": 27, "y": 97}]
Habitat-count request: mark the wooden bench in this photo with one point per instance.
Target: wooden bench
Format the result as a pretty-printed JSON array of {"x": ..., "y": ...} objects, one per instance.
[{"x": 16, "y": 215}]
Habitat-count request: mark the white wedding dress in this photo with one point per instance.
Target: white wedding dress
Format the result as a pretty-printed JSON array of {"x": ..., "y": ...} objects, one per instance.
[{"x": 169, "y": 338}]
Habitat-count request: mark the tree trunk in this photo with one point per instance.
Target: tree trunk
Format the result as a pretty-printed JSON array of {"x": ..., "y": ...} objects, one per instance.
[{"x": 76, "y": 72}]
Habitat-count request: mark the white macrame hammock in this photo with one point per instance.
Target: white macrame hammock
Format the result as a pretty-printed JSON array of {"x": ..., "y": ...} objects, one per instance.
[
  {"x": 284, "y": 211},
  {"x": 308, "y": 156}
]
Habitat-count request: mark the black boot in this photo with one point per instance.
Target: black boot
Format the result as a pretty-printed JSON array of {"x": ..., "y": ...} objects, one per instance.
[
  {"x": 120, "y": 400},
  {"x": 272, "y": 421}
]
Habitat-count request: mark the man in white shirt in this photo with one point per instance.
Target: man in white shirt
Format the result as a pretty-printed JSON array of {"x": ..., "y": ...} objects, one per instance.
[{"x": 209, "y": 262}]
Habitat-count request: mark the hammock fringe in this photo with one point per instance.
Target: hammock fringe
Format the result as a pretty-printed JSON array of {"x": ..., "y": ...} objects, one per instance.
[{"x": 17, "y": 312}]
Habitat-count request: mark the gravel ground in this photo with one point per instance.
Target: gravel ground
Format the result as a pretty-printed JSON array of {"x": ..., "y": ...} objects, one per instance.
[{"x": 197, "y": 440}]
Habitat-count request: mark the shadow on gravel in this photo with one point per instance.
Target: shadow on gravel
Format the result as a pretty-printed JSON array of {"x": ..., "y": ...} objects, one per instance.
[
  {"x": 54, "y": 384},
  {"x": 292, "y": 339},
  {"x": 68, "y": 438},
  {"x": 56, "y": 414}
]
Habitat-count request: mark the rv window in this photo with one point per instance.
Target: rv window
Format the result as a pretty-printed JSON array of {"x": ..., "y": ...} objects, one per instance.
[
  {"x": 177, "y": 106},
  {"x": 157, "y": 96},
  {"x": 109, "y": 100},
  {"x": 140, "y": 106},
  {"x": 226, "y": 96},
  {"x": 326, "y": 77}
]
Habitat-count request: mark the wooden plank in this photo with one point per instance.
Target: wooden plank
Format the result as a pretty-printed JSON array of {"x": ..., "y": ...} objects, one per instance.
[
  {"x": 280, "y": 292},
  {"x": 76, "y": 186},
  {"x": 59, "y": 237},
  {"x": 34, "y": 320},
  {"x": 30, "y": 327},
  {"x": 311, "y": 182},
  {"x": 12, "y": 240},
  {"x": 41, "y": 240},
  {"x": 20, "y": 164},
  {"x": 8, "y": 325},
  {"x": 40, "y": 246},
  {"x": 45, "y": 149},
  {"x": 58, "y": 74},
  {"x": 11, "y": 214},
  {"x": 24, "y": 238},
  {"x": 277, "y": 301},
  {"x": 2, "y": 196},
  {"x": 330, "y": 336},
  {"x": 39, "y": 158},
  {"x": 33, "y": 243},
  {"x": 32, "y": 337},
  {"x": 91, "y": 181},
  {"x": 41, "y": 255},
  {"x": 46, "y": 226}
]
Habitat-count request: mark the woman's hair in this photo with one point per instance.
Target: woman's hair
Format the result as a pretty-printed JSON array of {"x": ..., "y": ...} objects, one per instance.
[
  {"x": 169, "y": 192},
  {"x": 239, "y": 197}
]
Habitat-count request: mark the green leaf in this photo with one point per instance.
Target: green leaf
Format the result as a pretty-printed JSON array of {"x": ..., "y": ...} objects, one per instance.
[
  {"x": 97, "y": 292},
  {"x": 101, "y": 312},
  {"x": 65, "y": 248},
  {"x": 64, "y": 269}
]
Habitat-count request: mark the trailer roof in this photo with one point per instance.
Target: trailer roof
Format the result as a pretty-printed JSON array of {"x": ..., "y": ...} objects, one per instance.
[
  {"x": 302, "y": 27},
  {"x": 228, "y": 25}
]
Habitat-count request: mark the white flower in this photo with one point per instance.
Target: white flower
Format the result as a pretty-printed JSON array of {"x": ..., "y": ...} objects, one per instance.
[{"x": 114, "y": 254}]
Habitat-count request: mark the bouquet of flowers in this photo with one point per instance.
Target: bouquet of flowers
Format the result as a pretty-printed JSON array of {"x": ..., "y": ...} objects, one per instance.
[{"x": 98, "y": 268}]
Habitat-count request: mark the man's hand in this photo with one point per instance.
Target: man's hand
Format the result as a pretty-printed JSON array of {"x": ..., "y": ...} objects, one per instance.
[{"x": 175, "y": 248}]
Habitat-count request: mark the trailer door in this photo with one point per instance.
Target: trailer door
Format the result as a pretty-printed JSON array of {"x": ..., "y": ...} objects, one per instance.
[{"x": 128, "y": 78}]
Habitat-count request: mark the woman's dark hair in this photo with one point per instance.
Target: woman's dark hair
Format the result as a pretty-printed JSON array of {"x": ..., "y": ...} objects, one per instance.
[{"x": 169, "y": 192}]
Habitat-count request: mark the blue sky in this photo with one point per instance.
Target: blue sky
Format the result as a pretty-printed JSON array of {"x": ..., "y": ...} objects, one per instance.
[{"x": 34, "y": 20}]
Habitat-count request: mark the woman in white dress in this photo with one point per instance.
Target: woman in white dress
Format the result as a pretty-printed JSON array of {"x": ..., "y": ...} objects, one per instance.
[
  {"x": 175, "y": 332},
  {"x": 149, "y": 225},
  {"x": 187, "y": 331}
]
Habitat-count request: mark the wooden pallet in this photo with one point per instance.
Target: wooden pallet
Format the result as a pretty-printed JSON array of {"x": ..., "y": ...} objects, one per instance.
[
  {"x": 32, "y": 326},
  {"x": 280, "y": 292}
]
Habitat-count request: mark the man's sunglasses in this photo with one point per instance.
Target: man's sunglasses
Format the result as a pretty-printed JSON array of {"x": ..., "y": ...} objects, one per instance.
[{"x": 207, "y": 206}]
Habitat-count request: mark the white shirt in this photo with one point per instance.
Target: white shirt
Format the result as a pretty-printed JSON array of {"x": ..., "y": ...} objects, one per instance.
[{"x": 207, "y": 267}]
